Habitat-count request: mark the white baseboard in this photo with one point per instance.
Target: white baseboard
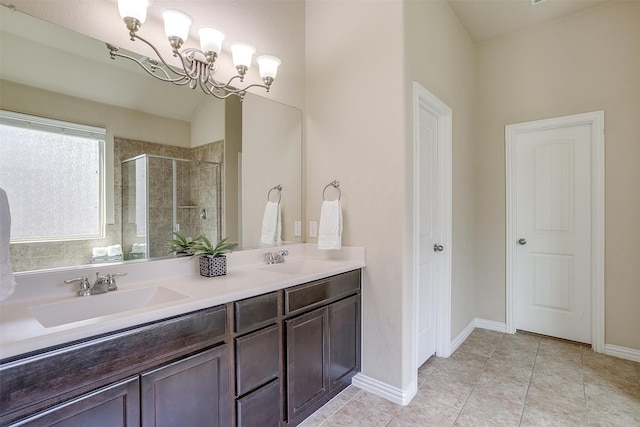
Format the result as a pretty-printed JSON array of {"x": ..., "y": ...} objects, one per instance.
[
  {"x": 622, "y": 352},
  {"x": 394, "y": 394},
  {"x": 491, "y": 325},
  {"x": 463, "y": 335}
]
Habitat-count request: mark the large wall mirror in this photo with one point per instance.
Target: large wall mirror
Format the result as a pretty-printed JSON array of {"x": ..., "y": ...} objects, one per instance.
[{"x": 174, "y": 158}]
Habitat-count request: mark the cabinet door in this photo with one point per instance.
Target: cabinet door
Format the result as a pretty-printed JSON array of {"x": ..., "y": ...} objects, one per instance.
[
  {"x": 307, "y": 360},
  {"x": 344, "y": 340},
  {"x": 190, "y": 392},
  {"x": 111, "y": 406}
]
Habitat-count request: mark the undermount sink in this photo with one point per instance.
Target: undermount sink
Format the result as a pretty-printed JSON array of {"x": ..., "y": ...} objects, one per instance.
[
  {"x": 83, "y": 308},
  {"x": 295, "y": 267}
]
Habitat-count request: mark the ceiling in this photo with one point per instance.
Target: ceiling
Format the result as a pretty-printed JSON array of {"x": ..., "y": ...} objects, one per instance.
[{"x": 487, "y": 19}]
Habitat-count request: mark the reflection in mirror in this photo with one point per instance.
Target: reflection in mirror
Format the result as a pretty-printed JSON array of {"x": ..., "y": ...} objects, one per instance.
[
  {"x": 164, "y": 194},
  {"x": 255, "y": 144}
]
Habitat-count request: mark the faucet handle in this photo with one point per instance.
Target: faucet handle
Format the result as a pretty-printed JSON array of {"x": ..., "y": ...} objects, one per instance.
[
  {"x": 111, "y": 281},
  {"x": 85, "y": 286},
  {"x": 116, "y": 274},
  {"x": 283, "y": 253},
  {"x": 268, "y": 258}
]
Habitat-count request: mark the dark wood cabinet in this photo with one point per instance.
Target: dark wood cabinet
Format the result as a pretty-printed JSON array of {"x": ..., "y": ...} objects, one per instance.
[
  {"x": 322, "y": 342},
  {"x": 307, "y": 360},
  {"x": 257, "y": 345},
  {"x": 112, "y": 406},
  {"x": 53, "y": 379},
  {"x": 268, "y": 360},
  {"x": 257, "y": 359},
  {"x": 255, "y": 312},
  {"x": 260, "y": 408},
  {"x": 189, "y": 392},
  {"x": 344, "y": 341}
]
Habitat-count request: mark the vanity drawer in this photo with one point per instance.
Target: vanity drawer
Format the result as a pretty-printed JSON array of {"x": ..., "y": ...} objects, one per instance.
[
  {"x": 321, "y": 292},
  {"x": 254, "y": 312},
  {"x": 257, "y": 359},
  {"x": 260, "y": 408}
]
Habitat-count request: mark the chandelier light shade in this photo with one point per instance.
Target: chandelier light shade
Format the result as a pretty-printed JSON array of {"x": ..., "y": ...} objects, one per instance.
[
  {"x": 197, "y": 66},
  {"x": 268, "y": 66},
  {"x": 242, "y": 54},
  {"x": 136, "y": 9},
  {"x": 176, "y": 26},
  {"x": 210, "y": 40}
]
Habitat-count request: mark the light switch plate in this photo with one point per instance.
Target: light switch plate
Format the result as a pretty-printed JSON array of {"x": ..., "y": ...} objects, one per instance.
[
  {"x": 313, "y": 229},
  {"x": 297, "y": 228}
]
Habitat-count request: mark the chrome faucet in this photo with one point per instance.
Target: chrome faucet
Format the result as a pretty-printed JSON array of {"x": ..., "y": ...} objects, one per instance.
[
  {"x": 276, "y": 257},
  {"x": 102, "y": 284}
]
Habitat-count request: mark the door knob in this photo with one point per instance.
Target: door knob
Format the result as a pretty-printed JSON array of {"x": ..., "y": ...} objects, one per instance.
[
  {"x": 522, "y": 241},
  {"x": 438, "y": 248}
]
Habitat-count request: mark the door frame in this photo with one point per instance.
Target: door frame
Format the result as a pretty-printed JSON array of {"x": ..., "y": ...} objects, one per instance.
[
  {"x": 595, "y": 120},
  {"x": 425, "y": 99}
]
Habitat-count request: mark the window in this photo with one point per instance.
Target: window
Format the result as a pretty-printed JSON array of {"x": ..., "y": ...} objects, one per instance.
[{"x": 53, "y": 173}]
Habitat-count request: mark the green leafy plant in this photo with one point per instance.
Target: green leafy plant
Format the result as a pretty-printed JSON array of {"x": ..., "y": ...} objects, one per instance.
[
  {"x": 202, "y": 246},
  {"x": 182, "y": 244}
]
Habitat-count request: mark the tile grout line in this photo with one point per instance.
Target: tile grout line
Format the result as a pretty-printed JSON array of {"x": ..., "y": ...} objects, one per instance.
[
  {"x": 337, "y": 410},
  {"x": 584, "y": 389},
  {"x": 524, "y": 406},
  {"x": 477, "y": 381}
]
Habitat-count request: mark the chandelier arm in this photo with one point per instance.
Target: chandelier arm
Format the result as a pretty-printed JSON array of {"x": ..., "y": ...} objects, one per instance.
[
  {"x": 172, "y": 68},
  {"x": 237, "y": 76},
  {"x": 211, "y": 88},
  {"x": 229, "y": 90},
  {"x": 213, "y": 92},
  {"x": 190, "y": 64},
  {"x": 256, "y": 85},
  {"x": 180, "y": 80}
]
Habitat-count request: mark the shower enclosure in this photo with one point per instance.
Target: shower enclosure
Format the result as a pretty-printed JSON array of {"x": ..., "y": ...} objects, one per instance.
[{"x": 161, "y": 195}]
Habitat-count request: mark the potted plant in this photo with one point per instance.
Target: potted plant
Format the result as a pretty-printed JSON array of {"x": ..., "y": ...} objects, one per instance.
[
  {"x": 213, "y": 262},
  {"x": 181, "y": 245}
]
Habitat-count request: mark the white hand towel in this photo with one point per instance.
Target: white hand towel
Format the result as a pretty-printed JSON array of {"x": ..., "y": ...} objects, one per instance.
[
  {"x": 271, "y": 224},
  {"x": 99, "y": 251},
  {"x": 330, "y": 230},
  {"x": 139, "y": 248},
  {"x": 7, "y": 281},
  {"x": 114, "y": 250}
]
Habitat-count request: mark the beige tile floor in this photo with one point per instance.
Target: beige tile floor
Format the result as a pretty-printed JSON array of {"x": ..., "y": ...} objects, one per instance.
[{"x": 496, "y": 379}]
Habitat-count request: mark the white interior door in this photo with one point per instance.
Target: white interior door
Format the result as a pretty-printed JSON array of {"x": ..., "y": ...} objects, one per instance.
[
  {"x": 429, "y": 233},
  {"x": 553, "y": 232}
]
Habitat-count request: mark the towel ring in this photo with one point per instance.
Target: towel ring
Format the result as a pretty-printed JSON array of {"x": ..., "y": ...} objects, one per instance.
[
  {"x": 335, "y": 184},
  {"x": 277, "y": 187}
]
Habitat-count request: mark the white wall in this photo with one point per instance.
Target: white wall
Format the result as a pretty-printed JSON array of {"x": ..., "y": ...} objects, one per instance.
[
  {"x": 207, "y": 124},
  {"x": 355, "y": 133},
  {"x": 440, "y": 56},
  {"x": 587, "y": 61},
  {"x": 271, "y": 136}
]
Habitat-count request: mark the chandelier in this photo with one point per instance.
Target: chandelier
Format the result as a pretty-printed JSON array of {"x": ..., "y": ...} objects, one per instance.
[{"x": 197, "y": 65}]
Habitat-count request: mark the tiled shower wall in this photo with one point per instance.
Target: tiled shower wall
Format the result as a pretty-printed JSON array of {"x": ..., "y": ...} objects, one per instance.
[{"x": 36, "y": 256}]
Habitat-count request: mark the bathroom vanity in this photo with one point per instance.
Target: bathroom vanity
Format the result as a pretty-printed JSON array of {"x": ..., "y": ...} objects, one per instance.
[{"x": 229, "y": 353}]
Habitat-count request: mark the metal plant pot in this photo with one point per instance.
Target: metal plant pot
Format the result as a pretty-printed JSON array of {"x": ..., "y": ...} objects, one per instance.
[{"x": 212, "y": 266}]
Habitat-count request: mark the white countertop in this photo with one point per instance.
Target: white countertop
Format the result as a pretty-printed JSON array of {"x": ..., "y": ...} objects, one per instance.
[{"x": 247, "y": 276}]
